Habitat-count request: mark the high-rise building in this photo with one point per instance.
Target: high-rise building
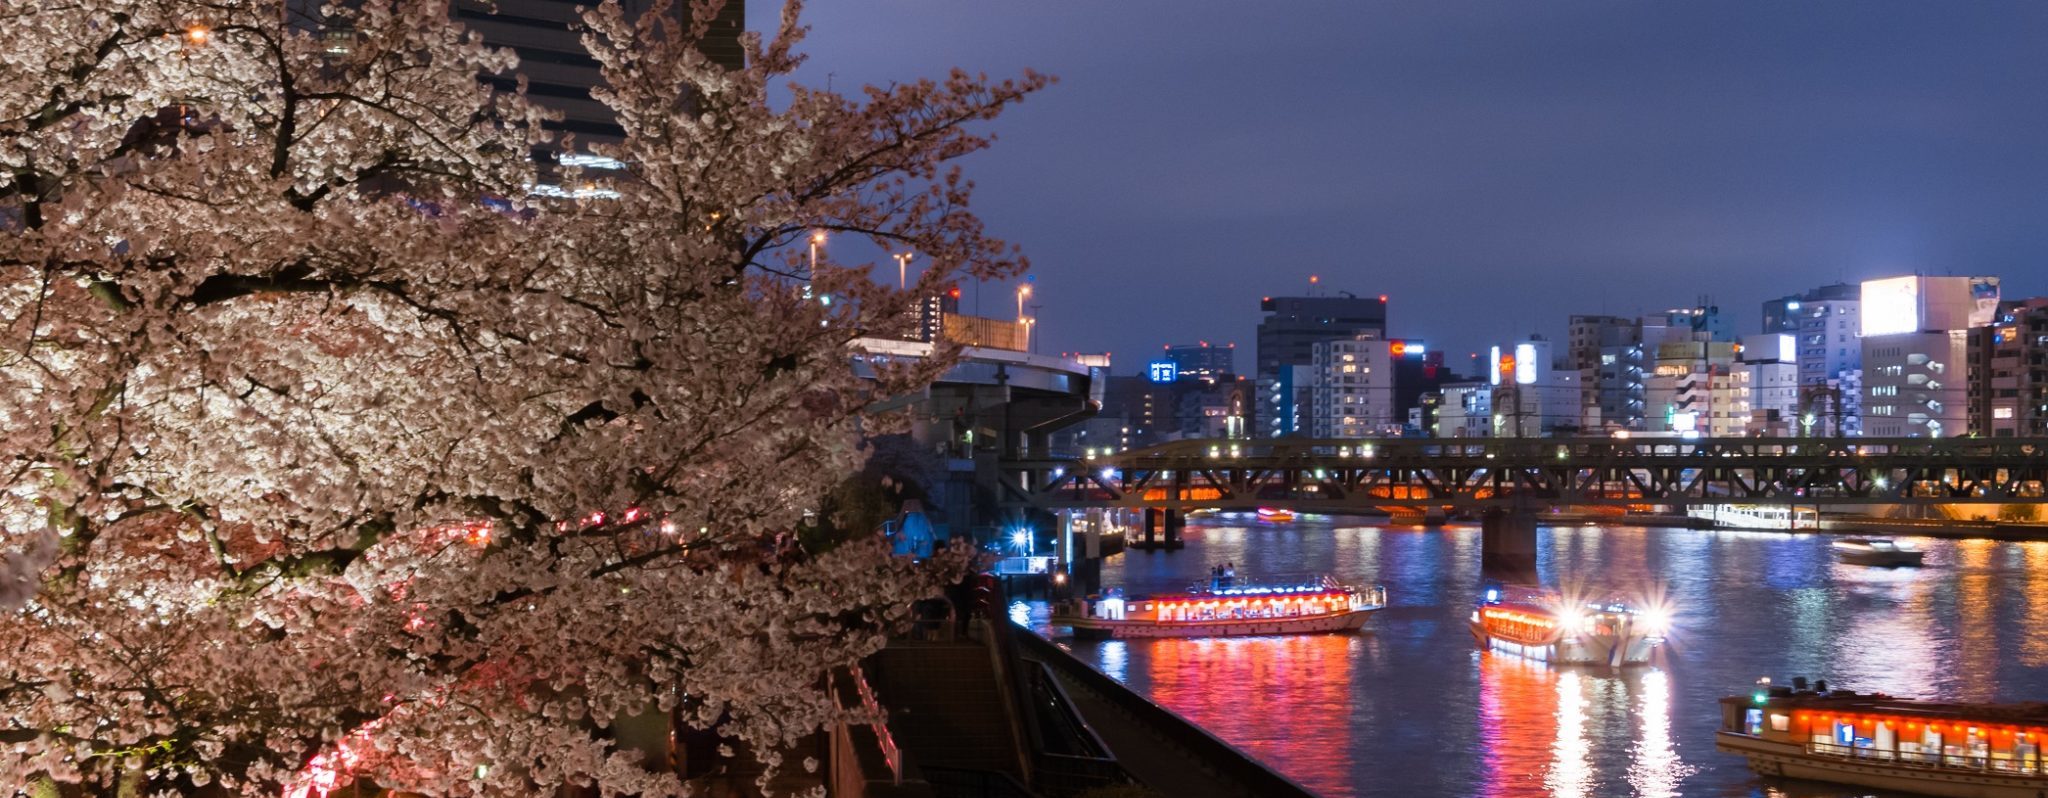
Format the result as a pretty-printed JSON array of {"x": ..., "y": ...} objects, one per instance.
[
  {"x": 1353, "y": 395},
  {"x": 1293, "y": 325},
  {"x": 2008, "y": 379},
  {"x": 1915, "y": 341},
  {"x": 1210, "y": 364},
  {"x": 1825, "y": 323},
  {"x": 560, "y": 74}
]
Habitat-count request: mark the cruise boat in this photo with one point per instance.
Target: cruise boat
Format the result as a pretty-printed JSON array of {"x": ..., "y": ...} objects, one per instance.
[
  {"x": 1876, "y": 741},
  {"x": 1543, "y": 626},
  {"x": 1275, "y": 514},
  {"x": 1755, "y": 516},
  {"x": 1876, "y": 551},
  {"x": 1227, "y": 607}
]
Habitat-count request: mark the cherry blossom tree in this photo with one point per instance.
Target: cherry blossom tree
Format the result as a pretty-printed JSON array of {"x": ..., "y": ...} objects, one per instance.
[{"x": 335, "y": 450}]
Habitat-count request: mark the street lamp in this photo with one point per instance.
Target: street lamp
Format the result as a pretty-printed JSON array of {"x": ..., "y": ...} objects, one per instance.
[
  {"x": 1028, "y": 322},
  {"x": 1023, "y": 292},
  {"x": 817, "y": 240},
  {"x": 902, "y": 270}
]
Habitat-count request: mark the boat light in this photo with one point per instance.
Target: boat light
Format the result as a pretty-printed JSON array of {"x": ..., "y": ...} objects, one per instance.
[{"x": 1761, "y": 697}]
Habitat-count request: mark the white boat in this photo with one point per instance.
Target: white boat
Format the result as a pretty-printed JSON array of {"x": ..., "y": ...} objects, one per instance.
[
  {"x": 1225, "y": 608},
  {"x": 1755, "y": 516},
  {"x": 1876, "y": 741},
  {"x": 1545, "y": 627},
  {"x": 1876, "y": 551}
]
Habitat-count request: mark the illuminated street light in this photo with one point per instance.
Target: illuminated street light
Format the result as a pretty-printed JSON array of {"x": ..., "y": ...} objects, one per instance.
[
  {"x": 1023, "y": 292},
  {"x": 902, "y": 270},
  {"x": 198, "y": 34}
]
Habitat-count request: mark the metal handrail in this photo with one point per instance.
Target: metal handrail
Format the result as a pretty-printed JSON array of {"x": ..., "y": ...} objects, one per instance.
[{"x": 1927, "y": 761}]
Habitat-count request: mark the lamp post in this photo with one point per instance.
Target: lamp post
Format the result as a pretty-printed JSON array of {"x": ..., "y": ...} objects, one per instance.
[
  {"x": 1023, "y": 293},
  {"x": 817, "y": 240},
  {"x": 1028, "y": 322},
  {"x": 902, "y": 270}
]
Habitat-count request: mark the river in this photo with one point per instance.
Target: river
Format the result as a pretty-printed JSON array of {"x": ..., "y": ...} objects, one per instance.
[{"x": 1410, "y": 707}]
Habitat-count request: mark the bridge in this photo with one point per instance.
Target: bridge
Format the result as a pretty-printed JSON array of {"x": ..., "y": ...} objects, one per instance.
[
  {"x": 1475, "y": 473},
  {"x": 1503, "y": 476}
]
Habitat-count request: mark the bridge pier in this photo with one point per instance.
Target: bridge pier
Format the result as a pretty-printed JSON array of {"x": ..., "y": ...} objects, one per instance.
[
  {"x": 1507, "y": 544},
  {"x": 1162, "y": 529}
]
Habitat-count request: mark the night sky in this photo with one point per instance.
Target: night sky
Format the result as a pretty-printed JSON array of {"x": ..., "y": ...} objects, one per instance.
[{"x": 1494, "y": 167}]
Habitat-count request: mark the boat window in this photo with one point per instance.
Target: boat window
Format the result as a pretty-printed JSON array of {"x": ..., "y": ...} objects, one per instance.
[
  {"x": 1753, "y": 721},
  {"x": 1781, "y": 723}
]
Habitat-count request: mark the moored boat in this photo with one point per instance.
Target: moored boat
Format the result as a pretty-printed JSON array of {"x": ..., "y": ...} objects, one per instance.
[
  {"x": 1754, "y": 516},
  {"x": 1881, "y": 742},
  {"x": 1546, "y": 627},
  {"x": 1876, "y": 551},
  {"x": 1224, "y": 608}
]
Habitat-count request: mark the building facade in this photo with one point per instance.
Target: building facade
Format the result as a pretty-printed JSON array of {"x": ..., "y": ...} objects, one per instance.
[
  {"x": 1464, "y": 410},
  {"x": 1826, "y": 323},
  {"x": 1532, "y": 396},
  {"x": 1915, "y": 341},
  {"x": 1773, "y": 368},
  {"x": 1353, "y": 394},
  {"x": 2008, "y": 391}
]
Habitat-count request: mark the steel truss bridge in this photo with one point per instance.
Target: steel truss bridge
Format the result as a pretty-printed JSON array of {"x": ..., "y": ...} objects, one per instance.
[{"x": 1471, "y": 473}]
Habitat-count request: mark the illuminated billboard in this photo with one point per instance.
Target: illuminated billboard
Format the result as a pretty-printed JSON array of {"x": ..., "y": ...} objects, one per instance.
[
  {"x": 1891, "y": 306},
  {"x": 1412, "y": 350},
  {"x": 1493, "y": 366},
  {"x": 1163, "y": 370},
  {"x": 1525, "y": 364}
]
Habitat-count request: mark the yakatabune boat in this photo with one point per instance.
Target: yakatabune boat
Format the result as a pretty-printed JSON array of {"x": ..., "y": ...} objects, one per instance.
[
  {"x": 1543, "y": 626},
  {"x": 1227, "y": 607},
  {"x": 1877, "y": 741}
]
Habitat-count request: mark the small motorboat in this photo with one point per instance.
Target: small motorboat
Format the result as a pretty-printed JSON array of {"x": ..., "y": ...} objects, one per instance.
[
  {"x": 1275, "y": 515},
  {"x": 1876, "y": 551}
]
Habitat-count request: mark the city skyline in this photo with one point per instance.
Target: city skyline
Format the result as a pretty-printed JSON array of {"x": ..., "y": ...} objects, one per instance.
[{"x": 1578, "y": 158}]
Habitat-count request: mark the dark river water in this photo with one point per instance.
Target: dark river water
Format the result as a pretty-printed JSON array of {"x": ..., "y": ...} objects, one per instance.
[{"x": 1411, "y": 707}]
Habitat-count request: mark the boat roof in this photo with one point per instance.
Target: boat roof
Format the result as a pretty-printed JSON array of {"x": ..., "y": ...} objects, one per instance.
[{"x": 2027, "y": 712}]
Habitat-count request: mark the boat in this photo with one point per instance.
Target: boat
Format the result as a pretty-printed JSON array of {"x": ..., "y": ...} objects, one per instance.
[
  {"x": 1226, "y": 607},
  {"x": 1275, "y": 514},
  {"x": 1543, "y": 626},
  {"x": 1754, "y": 516},
  {"x": 1876, "y": 551},
  {"x": 1880, "y": 742}
]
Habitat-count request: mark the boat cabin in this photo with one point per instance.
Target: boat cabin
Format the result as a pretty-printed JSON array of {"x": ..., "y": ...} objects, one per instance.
[{"x": 2000, "y": 738}]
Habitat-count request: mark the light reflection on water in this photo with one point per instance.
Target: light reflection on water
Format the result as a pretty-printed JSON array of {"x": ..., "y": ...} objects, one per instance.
[{"x": 1410, "y": 707}]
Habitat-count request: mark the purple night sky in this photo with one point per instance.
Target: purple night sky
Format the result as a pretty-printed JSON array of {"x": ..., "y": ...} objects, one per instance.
[{"x": 1492, "y": 166}]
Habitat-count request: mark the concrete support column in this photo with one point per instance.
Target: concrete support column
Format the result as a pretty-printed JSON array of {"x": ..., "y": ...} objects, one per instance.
[
  {"x": 1507, "y": 545},
  {"x": 1175, "y": 520},
  {"x": 1151, "y": 527}
]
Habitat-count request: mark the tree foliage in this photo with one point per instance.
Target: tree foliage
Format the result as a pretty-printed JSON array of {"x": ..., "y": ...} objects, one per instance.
[{"x": 333, "y": 451}]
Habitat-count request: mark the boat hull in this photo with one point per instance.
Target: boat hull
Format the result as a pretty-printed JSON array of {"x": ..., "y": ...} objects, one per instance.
[
  {"x": 1787, "y": 760},
  {"x": 1610, "y": 650},
  {"x": 1101, "y": 629},
  {"x": 1881, "y": 559}
]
